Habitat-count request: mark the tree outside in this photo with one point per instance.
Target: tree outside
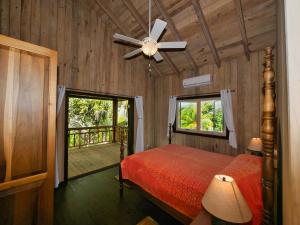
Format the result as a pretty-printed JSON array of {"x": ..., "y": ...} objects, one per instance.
[
  {"x": 211, "y": 117},
  {"x": 84, "y": 112},
  {"x": 188, "y": 113},
  {"x": 123, "y": 113}
]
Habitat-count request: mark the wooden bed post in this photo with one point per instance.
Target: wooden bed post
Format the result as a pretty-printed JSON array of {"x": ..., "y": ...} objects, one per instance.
[
  {"x": 121, "y": 159},
  {"x": 268, "y": 139},
  {"x": 170, "y": 133}
]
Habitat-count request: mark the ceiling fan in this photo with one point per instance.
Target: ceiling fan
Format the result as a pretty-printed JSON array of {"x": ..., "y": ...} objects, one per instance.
[{"x": 150, "y": 45}]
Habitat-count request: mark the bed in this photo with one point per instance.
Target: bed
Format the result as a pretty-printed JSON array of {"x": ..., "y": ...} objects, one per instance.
[{"x": 177, "y": 176}]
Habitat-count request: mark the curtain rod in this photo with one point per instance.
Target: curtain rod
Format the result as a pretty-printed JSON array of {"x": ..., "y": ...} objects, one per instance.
[
  {"x": 98, "y": 93},
  {"x": 202, "y": 94}
]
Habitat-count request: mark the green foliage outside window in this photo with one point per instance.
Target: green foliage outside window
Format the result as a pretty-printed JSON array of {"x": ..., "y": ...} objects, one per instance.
[
  {"x": 188, "y": 113},
  {"x": 90, "y": 112},
  {"x": 85, "y": 112},
  {"x": 123, "y": 113},
  {"x": 210, "y": 118}
]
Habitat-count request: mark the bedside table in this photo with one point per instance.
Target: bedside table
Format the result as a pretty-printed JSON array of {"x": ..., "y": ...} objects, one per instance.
[{"x": 204, "y": 218}]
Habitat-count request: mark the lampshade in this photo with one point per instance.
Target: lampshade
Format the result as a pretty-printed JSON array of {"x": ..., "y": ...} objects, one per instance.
[
  {"x": 224, "y": 200},
  {"x": 255, "y": 145}
]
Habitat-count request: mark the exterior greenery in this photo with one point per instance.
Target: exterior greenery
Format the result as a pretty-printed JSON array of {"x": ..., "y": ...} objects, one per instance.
[
  {"x": 188, "y": 113},
  {"x": 123, "y": 113},
  {"x": 210, "y": 117},
  {"x": 85, "y": 112}
]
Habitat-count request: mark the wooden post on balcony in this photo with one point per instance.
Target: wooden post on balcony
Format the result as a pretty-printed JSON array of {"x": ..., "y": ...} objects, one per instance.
[{"x": 115, "y": 118}]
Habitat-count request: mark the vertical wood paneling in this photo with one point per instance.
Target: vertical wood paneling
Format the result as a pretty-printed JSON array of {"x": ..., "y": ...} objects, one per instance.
[
  {"x": 60, "y": 38},
  {"x": 35, "y": 35},
  {"x": 53, "y": 24},
  {"x": 237, "y": 74},
  {"x": 26, "y": 20},
  {"x": 4, "y": 17},
  {"x": 15, "y": 18},
  {"x": 88, "y": 59},
  {"x": 45, "y": 22}
]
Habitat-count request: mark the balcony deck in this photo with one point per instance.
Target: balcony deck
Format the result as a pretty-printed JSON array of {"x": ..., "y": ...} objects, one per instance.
[{"x": 85, "y": 160}]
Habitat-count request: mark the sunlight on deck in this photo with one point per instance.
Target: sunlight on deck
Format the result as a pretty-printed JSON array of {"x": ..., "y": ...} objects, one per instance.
[{"x": 93, "y": 158}]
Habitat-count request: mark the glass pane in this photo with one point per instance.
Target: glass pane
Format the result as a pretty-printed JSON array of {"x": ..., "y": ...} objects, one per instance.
[
  {"x": 188, "y": 113},
  {"x": 84, "y": 112},
  {"x": 123, "y": 113},
  {"x": 218, "y": 117},
  {"x": 211, "y": 116},
  {"x": 207, "y": 115}
]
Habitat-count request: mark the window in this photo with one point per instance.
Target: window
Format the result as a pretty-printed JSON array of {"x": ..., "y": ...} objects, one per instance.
[{"x": 201, "y": 115}]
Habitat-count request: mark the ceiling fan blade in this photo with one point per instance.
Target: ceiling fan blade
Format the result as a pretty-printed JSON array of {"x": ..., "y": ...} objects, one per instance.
[
  {"x": 157, "y": 56},
  {"x": 175, "y": 44},
  {"x": 133, "y": 53},
  {"x": 157, "y": 29},
  {"x": 124, "y": 38}
]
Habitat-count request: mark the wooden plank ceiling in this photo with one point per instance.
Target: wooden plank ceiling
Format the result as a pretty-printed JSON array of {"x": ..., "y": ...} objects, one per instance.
[{"x": 214, "y": 29}]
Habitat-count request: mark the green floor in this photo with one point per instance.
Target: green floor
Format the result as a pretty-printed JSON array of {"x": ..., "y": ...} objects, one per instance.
[{"x": 94, "y": 200}]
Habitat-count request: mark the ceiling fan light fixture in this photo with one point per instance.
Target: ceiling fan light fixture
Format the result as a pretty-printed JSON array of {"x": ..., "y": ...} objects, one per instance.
[{"x": 149, "y": 47}]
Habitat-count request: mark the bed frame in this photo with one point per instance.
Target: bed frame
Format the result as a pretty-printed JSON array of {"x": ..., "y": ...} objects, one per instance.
[{"x": 268, "y": 139}]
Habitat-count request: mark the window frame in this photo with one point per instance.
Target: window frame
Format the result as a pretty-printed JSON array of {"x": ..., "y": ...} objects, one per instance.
[{"x": 197, "y": 131}]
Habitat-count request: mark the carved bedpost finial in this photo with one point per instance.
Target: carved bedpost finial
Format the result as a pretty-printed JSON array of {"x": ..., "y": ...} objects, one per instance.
[
  {"x": 268, "y": 58},
  {"x": 268, "y": 138}
]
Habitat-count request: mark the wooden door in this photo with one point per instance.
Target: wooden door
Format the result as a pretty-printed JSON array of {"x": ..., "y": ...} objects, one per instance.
[{"x": 27, "y": 132}]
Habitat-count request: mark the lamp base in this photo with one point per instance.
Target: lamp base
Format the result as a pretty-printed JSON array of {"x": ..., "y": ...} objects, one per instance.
[{"x": 217, "y": 221}]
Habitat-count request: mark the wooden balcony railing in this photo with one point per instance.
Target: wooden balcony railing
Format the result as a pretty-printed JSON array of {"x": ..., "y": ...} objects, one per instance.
[{"x": 87, "y": 136}]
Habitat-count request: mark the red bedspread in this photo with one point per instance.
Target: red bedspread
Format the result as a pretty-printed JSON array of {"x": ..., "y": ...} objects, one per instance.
[
  {"x": 247, "y": 172},
  {"x": 177, "y": 175}
]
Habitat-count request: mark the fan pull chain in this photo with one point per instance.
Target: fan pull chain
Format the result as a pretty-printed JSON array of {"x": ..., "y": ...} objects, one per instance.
[{"x": 149, "y": 67}]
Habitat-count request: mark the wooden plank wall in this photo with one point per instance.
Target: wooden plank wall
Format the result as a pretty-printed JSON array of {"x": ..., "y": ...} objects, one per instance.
[
  {"x": 87, "y": 57},
  {"x": 245, "y": 77}
]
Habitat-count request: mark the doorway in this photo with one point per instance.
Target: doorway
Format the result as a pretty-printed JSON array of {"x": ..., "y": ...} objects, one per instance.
[{"x": 94, "y": 127}]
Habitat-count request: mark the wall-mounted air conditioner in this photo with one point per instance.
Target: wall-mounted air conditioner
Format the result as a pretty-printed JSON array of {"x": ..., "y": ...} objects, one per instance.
[{"x": 197, "y": 81}]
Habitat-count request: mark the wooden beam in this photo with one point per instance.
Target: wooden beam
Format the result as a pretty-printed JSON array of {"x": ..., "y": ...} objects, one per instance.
[
  {"x": 206, "y": 32},
  {"x": 240, "y": 13},
  {"x": 136, "y": 14},
  {"x": 121, "y": 27},
  {"x": 143, "y": 24},
  {"x": 170, "y": 62},
  {"x": 175, "y": 33}
]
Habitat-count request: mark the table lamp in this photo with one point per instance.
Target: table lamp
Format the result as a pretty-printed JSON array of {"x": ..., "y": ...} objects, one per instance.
[
  {"x": 255, "y": 146},
  {"x": 224, "y": 201}
]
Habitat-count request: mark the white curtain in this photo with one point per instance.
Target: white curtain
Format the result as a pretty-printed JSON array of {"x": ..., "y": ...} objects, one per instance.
[
  {"x": 139, "y": 143},
  {"x": 61, "y": 90},
  {"x": 228, "y": 116},
  {"x": 172, "y": 111}
]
